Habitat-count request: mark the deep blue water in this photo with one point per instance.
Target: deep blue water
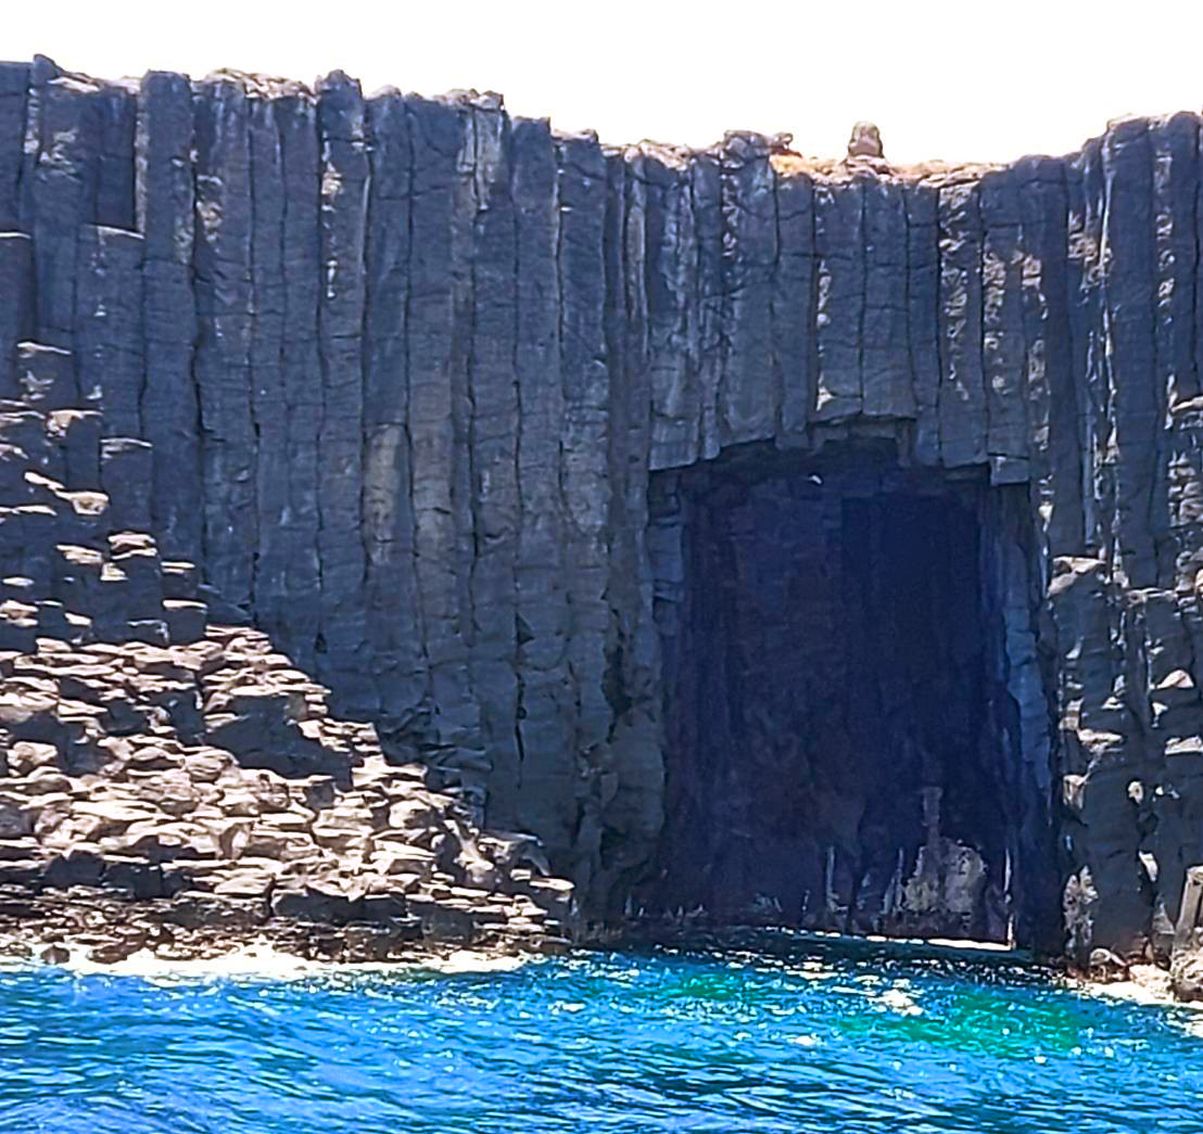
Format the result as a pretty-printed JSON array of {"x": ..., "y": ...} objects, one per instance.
[{"x": 616, "y": 1042}]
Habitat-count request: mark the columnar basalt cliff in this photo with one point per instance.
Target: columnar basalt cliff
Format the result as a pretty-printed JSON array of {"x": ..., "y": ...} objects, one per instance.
[{"x": 810, "y": 539}]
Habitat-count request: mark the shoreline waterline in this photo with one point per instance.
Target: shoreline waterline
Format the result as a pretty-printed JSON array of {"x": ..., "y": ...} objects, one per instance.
[
  {"x": 257, "y": 959},
  {"x": 261, "y": 960}
]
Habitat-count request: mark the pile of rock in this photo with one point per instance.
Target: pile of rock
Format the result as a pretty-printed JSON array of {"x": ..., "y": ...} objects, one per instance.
[
  {"x": 207, "y": 788},
  {"x": 171, "y": 784}
]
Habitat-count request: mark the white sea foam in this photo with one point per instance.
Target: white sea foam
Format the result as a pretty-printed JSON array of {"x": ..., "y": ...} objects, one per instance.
[
  {"x": 260, "y": 960},
  {"x": 1147, "y": 984},
  {"x": 900, "y": 1001}
]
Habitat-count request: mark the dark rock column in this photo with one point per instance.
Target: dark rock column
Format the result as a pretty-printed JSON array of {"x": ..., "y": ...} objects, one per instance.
[
  {"x": 887, "y": 384},
  {"x": 1086, "y": 203},
  {"x": 840, "y": 304},
  {"x": 16, "y": 313},
  {"x": 342, "y": 649},
  {"x": 301, "y": 258},
  {"x": 440, "y": 297},
  {"x": 1004, "y": 358},
  {"x": 634, "y": 789},
  {"x": 58, "y": 188},
  {"x": 14, "y": 83},
  {"x": 585, "y": 372},
  {"x": 108, "y": 326},
  {"x": 794, "y": 304},
  {"x": 1135, "y": 406},
  {"x": 274, "y": 549},
  {"x": 585, "y": 474},
  {"x": 493, "y": 454},
  {"x": 1103, "y": 896},
  {"x": 117, "y": 111},
  {"x": 706, "y": 198},
  {"x": 673, "y": 352},
  {"x": 921, "y": 202},
  {"x": 393, "y": 613},
  {"x": 1055, "y": 456},
  {"x": 543, "y": 799},
  {"x": 170, "y": 413},
  {"x": 223, "y": 279},
  {"x": 1178, "y": 508},
  {"x": 962, "y": 401},
  {"x": 749, "y": 400}
]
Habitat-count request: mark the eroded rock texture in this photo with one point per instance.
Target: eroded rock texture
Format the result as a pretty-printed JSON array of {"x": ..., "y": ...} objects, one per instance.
[{"x": 410, "y": 369}]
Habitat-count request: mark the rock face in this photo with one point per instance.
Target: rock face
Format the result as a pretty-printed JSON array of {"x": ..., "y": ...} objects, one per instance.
[
  {"x": 173, "y": 784},
  {"x": 431, "y": 394}
]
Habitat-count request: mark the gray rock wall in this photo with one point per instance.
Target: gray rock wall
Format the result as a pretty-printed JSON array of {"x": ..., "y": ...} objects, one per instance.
[{"x": 407, "y": 365}]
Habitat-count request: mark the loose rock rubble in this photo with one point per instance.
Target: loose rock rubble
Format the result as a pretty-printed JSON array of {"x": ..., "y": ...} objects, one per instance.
[{"x": 185, "y": 796}]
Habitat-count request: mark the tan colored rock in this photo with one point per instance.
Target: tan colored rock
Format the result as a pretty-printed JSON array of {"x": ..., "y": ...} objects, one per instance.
[
  {"x": 199, "y": 658},
  {"x": 413, "y": 813},
  {"x": 206, "y": 765},
  {"x": 253, "y": 878},
  {"x": 393, "y": 857},
  {"x": 255, "y": 793},
  {"x": 172, "y": 792},
  {"x": 18, "y": 709},
  {"x": 238, "y": 799},
  {"x": 157, "y": 841},
  {"x": 344, "y": 832},
  {"x": 554, "y": 895},
  {"x": 50, "y": 811},
  {"x": 281, "y": 845},
  {"x": 41, "y": 781},
  {"x": 233, "y": 836},
  {"x": 294, "y": 821},
  {"x": 151, "y": 757},
  {"x": 865, "y": 141},
  {"x": 26, "y": 755}
]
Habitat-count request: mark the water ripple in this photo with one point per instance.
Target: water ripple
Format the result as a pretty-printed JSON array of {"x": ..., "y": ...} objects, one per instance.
[{"x": 637, "y": 1044}]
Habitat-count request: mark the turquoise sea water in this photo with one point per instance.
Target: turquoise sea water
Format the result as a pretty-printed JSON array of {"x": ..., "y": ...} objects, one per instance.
[{"x": 598, "y": 1043}]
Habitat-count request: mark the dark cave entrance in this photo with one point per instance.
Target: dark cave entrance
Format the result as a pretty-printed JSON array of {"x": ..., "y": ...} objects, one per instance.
[{"x": 856, "y": 726}]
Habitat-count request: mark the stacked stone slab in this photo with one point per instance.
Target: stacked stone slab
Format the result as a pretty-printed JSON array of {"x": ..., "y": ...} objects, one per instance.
[
  {"x": 408, "y": 365},
  {"x": 187, "y": 798},
  {"x": 76, "y": 560}
]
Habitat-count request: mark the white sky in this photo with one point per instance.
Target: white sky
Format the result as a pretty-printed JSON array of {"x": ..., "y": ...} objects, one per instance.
[{"x": 954, "y": 79}]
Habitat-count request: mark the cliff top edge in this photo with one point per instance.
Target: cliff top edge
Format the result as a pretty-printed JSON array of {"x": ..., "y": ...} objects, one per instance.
[{"x": 735, "y": 147}]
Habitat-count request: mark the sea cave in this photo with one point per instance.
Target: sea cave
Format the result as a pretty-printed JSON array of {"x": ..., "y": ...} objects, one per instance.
[{"x": 856, "y": 726}]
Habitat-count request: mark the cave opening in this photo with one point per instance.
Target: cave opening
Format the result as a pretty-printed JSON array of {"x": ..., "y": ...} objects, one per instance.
[{"x": 856, "y": 729}]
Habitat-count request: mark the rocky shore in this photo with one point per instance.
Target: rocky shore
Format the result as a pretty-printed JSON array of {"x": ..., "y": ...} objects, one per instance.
[
  {"x": 187, "y": 799},
  {"x": 758, "y": 533}
]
